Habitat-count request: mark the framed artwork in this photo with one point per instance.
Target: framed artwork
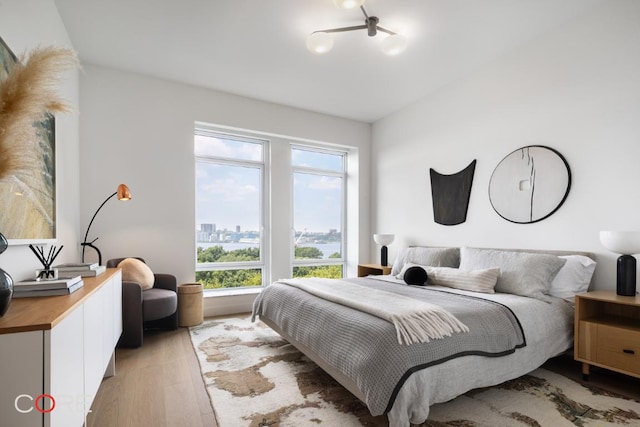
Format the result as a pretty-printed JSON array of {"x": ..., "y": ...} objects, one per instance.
[
  {"x": 28, "y": 192},
  {"x": 530, "y": 184}
]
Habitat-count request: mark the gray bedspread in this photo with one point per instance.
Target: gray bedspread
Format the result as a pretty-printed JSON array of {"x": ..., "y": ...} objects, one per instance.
[{"x": 365, "y": 348}]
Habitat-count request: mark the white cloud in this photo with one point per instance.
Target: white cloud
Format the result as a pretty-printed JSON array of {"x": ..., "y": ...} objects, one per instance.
[
  {"x": 228, "y": 189},
  {"x": 207, "y": 146},
  {"x": 326, "y": 183}
]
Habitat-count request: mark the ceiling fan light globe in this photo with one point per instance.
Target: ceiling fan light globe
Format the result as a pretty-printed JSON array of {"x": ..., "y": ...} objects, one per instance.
[
  {"x": 319, "y": 43},
  {"x": 348, "y": 4},
  {"x": 394, "y": 44}
]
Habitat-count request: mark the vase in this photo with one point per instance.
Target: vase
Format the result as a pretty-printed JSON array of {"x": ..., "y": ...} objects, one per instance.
[
  {"x": 6, "y": 282},
  {"x": 6, "y": 291}
]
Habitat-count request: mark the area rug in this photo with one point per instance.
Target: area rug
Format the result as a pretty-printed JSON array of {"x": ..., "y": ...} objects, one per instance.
[{"x": 255, "y": 378}]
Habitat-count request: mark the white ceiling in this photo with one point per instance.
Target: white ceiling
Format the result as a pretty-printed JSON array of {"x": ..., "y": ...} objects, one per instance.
[{"x": 256, "y": 48}]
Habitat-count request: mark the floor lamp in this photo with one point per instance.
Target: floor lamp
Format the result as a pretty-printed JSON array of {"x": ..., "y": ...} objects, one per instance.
[{"x": 123, "y": 194}]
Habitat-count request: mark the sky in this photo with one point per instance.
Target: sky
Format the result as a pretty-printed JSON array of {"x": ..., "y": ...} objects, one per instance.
[{"x": 229, "y": 195}]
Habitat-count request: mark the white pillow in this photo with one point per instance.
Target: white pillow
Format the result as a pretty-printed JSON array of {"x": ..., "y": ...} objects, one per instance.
[
  {"x": 573, "y": 278},
  {"x": 437, "y": 257},
  {"x": 521, "y": 273},
  {"x": 475, "y": 281}
]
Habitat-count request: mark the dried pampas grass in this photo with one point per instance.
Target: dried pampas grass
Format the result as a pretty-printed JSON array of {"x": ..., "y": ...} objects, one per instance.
[
  {"x": 26, "y": 96},
  {"x": 27, "y": 158}
]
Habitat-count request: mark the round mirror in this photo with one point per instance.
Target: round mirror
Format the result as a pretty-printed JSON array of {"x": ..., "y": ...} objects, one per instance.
[{"x": 529, "y": 184}]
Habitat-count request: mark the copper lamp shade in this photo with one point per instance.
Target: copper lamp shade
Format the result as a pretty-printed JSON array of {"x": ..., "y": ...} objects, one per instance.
[{"x": 123, "y": 192}]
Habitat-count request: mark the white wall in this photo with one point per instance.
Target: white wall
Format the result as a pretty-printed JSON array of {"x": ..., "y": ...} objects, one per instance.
[
  {"x": 138, "y": 130},
  {"x": 576, "y": 89},
  {"x": 25, "y": 25}
]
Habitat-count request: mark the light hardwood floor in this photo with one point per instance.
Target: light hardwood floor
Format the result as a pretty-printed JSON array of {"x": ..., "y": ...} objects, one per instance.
[{"x": 160, "y": 385}]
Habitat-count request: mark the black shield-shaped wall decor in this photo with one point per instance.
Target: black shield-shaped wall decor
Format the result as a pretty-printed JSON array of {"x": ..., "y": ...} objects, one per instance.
[{"x": 450, "y": 194}]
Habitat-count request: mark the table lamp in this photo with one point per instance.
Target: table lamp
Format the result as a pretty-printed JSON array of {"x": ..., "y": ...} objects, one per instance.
[
  {"x": 625, "y": 243},
  {"x": 384, "y": 240}
]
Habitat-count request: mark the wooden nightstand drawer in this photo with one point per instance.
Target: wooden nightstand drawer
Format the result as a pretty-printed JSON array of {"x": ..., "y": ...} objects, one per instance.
[{"x": 619, "y": 348}]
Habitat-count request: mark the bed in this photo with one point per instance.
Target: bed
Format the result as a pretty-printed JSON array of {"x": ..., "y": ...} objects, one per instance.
[{"x": 513, "y": 325}]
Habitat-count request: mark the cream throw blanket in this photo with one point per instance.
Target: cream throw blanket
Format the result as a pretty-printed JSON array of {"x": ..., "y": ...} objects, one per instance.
[{"x": 415, "y": 321}]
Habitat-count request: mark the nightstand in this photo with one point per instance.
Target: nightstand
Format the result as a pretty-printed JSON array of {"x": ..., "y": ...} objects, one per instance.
[
  {"x": 375, "y": 269},
  {"x": 607, "y": 332}
]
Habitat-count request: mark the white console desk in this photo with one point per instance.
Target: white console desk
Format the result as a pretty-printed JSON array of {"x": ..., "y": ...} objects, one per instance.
[{"x": 58, "y": 349}]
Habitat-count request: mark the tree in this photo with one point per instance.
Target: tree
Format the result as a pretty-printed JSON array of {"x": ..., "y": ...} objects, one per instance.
[
  {"x": 307, "y": 252},
  {"x": 248, "y": 254},
  {"x": 217, "y": 279},
  {"x": 218, "y": 254},
  {"x": 324, "y": 271},
  {"x": 211, "y": 254}
]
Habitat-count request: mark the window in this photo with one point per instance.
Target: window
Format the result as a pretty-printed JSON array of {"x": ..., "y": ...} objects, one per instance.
[
  {"x": 318, "y": 212},
  {"x": 251, "y": 191},
  {"x": 230, "y": 214}
]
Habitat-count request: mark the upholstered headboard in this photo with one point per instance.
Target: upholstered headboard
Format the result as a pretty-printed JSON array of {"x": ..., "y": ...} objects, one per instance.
[{"x": 557, "y": 252}]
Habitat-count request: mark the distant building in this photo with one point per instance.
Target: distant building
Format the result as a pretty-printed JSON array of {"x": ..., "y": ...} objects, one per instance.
[{"x": 202, "y": 236}]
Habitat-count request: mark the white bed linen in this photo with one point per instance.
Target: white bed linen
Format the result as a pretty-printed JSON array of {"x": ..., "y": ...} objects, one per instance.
[{"x": 548, "y": 328}]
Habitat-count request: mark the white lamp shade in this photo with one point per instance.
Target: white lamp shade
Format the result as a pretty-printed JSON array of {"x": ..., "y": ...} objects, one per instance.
[
  {"x": 394, "y": 44},
  {"x": 319, "y": 43},
  {"x": 383, "y": 239},
  {"x": 621, "y": 242},
  {"x": 348, "y": 4}
]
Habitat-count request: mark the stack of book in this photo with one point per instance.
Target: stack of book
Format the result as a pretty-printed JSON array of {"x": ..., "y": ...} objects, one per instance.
[
  {"x": 47, "y": 287},
  {"x": 80, "y": 269}
]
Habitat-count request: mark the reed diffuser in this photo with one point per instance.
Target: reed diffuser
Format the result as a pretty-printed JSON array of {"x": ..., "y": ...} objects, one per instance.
[{"x": 46, "y": 272}]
